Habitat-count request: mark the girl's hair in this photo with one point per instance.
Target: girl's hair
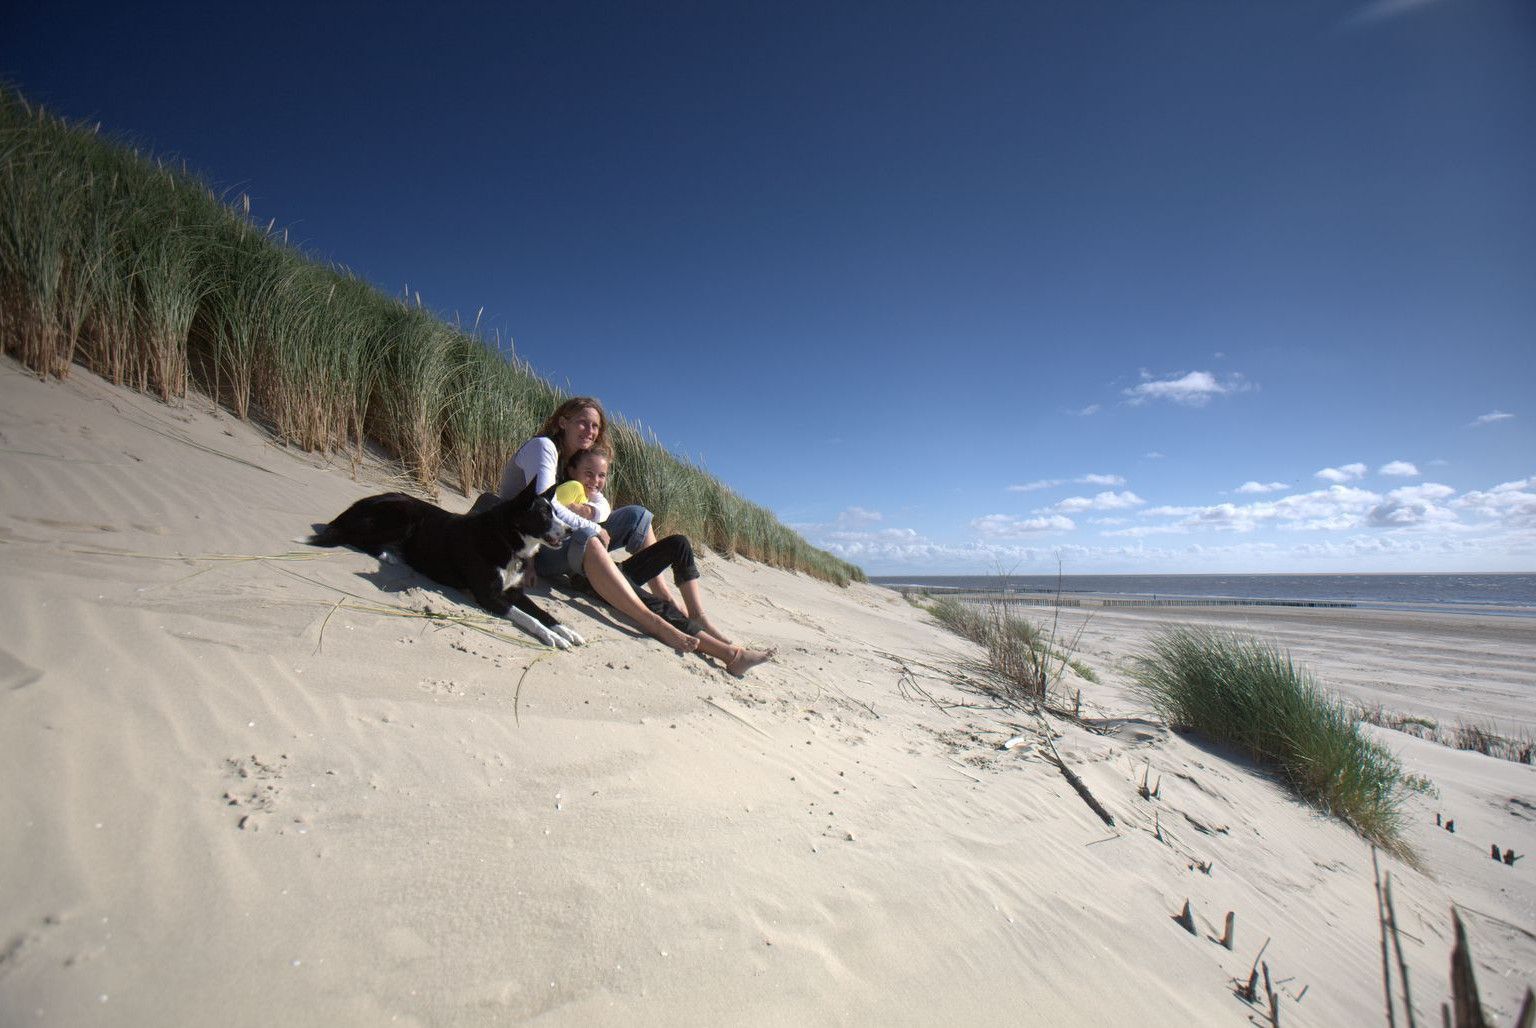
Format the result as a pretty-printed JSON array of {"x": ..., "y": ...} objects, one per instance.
[{"x": 575, "y": 405}]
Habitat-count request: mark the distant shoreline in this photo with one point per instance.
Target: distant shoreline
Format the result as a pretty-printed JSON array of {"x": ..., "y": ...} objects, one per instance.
[{"x": 1497, "y": 593}]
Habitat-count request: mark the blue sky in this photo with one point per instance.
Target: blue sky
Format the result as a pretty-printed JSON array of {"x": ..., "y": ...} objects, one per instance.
[{"x": 1145, "y": 287}]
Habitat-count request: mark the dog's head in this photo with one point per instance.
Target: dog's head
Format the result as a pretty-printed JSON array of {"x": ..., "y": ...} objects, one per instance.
[{"x": 531, "y": 516}]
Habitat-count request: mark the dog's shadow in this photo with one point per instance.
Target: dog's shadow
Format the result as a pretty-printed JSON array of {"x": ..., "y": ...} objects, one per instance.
[
  {"x": 589, "y": 605},
  {"x": 394, "y": 576}
]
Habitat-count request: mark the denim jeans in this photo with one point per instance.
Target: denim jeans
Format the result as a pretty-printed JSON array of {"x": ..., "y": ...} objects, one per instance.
[{"x": 626, "y": 528}]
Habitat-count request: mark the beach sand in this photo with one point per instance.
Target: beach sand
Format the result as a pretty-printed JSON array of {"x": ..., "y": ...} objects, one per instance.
[{"x": 245, "y": 782}]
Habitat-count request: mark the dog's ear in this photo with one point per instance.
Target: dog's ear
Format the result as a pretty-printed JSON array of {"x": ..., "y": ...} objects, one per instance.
[
  {"x": 549, "y": 494},
  {"x": 525, "y": 495}
]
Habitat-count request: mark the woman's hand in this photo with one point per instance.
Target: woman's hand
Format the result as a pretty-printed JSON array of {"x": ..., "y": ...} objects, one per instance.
[
  {"x": 584, "y": 510},
  {"x": 602, "y": 533}
]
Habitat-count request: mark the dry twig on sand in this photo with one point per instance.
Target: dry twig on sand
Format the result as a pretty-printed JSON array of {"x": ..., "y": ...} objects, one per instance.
[{"x": 1071, "y": 776}]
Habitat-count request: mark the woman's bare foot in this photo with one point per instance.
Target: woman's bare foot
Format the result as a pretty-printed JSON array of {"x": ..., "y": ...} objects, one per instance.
[{"x": 745, "y": 660}]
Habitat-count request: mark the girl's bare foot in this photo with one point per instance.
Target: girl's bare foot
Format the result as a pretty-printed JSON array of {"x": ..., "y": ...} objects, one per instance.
[{"x": 745, "y": 660}]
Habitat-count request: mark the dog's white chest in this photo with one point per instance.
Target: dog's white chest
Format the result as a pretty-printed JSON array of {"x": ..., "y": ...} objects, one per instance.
[
  {"x": 515, "y": 574},
  {"x": 512, "y": 574}
]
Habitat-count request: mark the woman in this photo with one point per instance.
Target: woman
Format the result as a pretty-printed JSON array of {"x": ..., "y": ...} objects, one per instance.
[{"x": 579, "y": 424}]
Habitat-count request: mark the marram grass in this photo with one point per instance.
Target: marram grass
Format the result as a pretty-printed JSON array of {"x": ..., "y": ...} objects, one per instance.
[
  {"x": 1248, "y": 694},
  {"x": 1025, "y": 657},
  {"x": 135, "y": 269}
]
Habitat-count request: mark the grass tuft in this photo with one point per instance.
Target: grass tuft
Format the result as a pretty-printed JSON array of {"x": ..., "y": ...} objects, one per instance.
[
  {"x": 1023, "y": 655},
  {"x": 1248, "y": 694}
]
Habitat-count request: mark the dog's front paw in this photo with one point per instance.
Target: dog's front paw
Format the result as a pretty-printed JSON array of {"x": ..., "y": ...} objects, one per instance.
[{"x": 570, "y": 635}]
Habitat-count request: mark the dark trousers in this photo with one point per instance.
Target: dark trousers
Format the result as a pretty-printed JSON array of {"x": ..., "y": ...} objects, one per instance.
[{"x": 675, "y": 552}]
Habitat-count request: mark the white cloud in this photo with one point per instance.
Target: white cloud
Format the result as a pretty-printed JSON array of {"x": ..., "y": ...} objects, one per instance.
[
  {"x": 1089, "y": 411},
  {"x": 1194, "y": 389},
  {"x": 1414, "y": 506},
  {"x": 1427, "y": 491},
  {"x": 1262, "y": 487},
  {"x": 1348, "y": 473},
  {"x": 1399, "y": 468},
  {"x": 1488, "y": 419},
  {"x": 1337, "y": 507},
  {"x": 1102, "y": 501},
  {"x": 1051, "y": 483},
  {"x": 1153, "y": 455},
  {"x": 1511, "y": 503},
  {"x": 1007, "y": 526},
  {"x": 1142, "y": 531}
]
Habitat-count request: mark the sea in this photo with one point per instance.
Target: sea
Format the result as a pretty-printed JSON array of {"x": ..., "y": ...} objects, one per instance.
[{"x": 1507, "y": 594}]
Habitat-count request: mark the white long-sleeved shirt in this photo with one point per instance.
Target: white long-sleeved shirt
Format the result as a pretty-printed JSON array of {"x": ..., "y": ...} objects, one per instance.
[{"x": 538, "y": 461}]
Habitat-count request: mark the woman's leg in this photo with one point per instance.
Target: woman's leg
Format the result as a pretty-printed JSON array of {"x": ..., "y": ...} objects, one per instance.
[
  {"x": 614, "y": 588},
  {"x": 738, "y": 660}
]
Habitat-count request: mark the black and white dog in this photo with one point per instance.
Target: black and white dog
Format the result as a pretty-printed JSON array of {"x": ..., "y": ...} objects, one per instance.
[{"x": 487, "y": 554}]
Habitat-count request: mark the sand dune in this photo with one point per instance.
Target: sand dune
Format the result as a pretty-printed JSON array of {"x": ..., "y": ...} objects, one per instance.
[{"x": 245, "y": 782}]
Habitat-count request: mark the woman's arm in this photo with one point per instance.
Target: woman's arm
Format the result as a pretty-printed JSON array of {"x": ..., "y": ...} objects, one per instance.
[{"x": 538, "y": 461}]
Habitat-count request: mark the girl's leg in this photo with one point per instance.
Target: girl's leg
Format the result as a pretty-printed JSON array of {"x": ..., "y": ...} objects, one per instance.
[
  {"x": 675, "y": 552},
  {"x": 630, "y": 528},
  {"x": 657, "y": 585},
  {"x": 614, "y": 588},
  {"x": 693, "y": 602}
]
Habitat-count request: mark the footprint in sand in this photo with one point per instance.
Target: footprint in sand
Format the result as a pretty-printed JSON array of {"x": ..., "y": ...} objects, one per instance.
[{"x": 255, "y": 790}]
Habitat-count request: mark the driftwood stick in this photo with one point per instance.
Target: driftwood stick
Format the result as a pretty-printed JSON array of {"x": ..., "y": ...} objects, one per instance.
[
  {"x": 1274, "y": 1000},
  {"x": 1082, "y": 790},
  {"x": 1071, "y": 777},
  {"x": 961, "y": 768},
  {"x": 1250, "y": 992},
  {"x": 738, "y": 717}
]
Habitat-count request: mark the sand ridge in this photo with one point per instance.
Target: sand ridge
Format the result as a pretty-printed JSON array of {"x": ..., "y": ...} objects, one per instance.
[{"x": 246, "y": 782}]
